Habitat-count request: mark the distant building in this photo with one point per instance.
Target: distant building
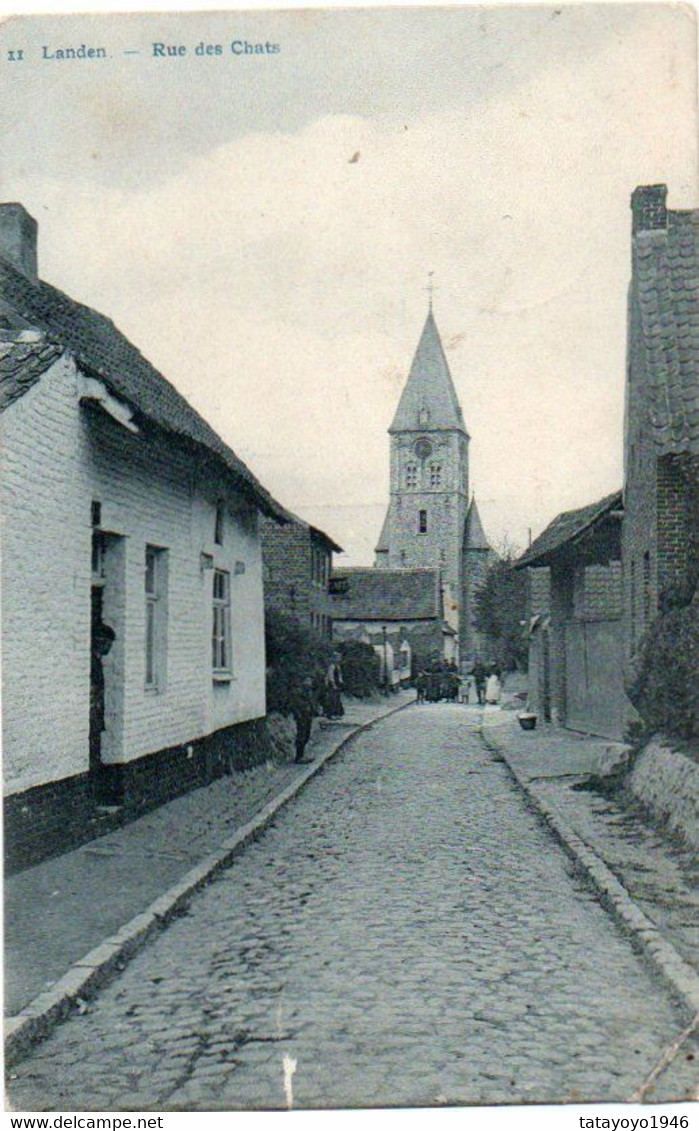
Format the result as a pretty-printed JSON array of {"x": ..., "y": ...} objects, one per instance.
[
  {"x": 121, "y": 507},
  {"x": 408, "y": 604},
  {"x": 430, "y": 523},
  {"x": 576, "y": 652},
  {"x": 599, "y": 575},
  {"x": 297, "y": 566},
  {"x": 660, "y": 543}
]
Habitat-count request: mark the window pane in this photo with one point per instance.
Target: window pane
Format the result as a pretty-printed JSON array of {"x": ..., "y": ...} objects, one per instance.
[
  {"x": 150, "y": 643},
  {"x": 150, "y": 570}
]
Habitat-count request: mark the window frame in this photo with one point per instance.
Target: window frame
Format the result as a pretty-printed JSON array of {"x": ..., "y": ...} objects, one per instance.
[
  {"x": 154, "y": 625},
  {"x": 422, "y": 523},
  {"x": 221, "y": 637}
]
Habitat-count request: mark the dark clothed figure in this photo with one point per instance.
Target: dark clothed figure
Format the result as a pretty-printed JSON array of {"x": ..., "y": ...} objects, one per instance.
[
  {"x": 453, "y": 686},
  {"x": 100, "y": 644},
  {"x": 421, "y": 687},
  {"x": 480, "y": 675},
  {"x": 303, "y": 710},
  {"x": 333, "y": 686}
]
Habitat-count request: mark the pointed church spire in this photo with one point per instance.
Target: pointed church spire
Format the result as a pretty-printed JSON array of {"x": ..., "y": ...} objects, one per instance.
[
  {"x": 475, "y": 537},
  {"x": 429, "y": 398}
]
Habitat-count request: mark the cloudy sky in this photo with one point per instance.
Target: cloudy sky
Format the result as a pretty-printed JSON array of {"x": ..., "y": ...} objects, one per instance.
[{"x": 210, "y": 206}]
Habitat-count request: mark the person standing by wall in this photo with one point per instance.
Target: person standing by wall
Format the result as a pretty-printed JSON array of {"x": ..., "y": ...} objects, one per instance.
[
  {"x": 479, "y": 674},
  {"x": 304, "y": 711},
  {"x": 333, "y": 686}
]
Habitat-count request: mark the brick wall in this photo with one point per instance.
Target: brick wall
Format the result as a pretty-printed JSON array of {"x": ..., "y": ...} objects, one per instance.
[
  {"x": 678, "y": 520},
  {"x": 539, "y": 591},
  {"x": 289, "y": 585},
  {"x": 660, "y": 539},
  {"x": 57, "y": 458},
  {"x": 639, "y": 538},
  {"x": 598, "y": 592}
]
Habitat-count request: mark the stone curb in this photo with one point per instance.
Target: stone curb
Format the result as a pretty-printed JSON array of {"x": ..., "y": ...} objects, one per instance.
[
  {"x": 91, "y": 972},
  {"x": 681, "y": 977}
]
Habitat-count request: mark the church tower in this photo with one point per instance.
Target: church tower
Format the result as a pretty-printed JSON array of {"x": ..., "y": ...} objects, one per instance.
[{"x": 426, "y": 518}]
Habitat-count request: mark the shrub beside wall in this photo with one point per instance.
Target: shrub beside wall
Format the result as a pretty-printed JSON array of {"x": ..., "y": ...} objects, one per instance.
[
  {"x": 664, "y": 687},
  {"x": 361, "y": 668},
  {"x": 294, "y": 653}
]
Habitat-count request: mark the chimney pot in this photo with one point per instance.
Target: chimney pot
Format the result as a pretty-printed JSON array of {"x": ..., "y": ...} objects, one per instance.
[
  {"x": 18, "y": 239},
  {"x": 648, "y": 208}
]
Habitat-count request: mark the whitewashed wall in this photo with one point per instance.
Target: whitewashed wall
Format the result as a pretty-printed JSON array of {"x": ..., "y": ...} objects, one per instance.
[{"x": 58, "y": 456}]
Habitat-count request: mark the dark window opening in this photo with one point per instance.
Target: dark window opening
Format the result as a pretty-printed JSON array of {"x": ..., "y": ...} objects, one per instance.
[
  {"x": 218, "y": 528},
  {"x": 422, "y": 522}
]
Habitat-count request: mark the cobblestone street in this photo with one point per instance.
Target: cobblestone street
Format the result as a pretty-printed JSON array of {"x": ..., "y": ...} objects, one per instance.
[{"x": 406, "y": 932}]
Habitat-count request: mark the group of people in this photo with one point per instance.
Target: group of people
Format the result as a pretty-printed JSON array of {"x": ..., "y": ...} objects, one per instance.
[{"x": 441, "y": 681}]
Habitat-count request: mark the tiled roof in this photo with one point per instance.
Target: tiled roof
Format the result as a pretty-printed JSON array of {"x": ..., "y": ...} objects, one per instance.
[
  {"x": 429, "y": 386},
  {"x": 388, "y": 595},
  {"x": 23, "y": 360},
  {"x": 567, "y": 527},
  {"x": 474, "y": 535},
  {"x": 666, "y": 289},
  {"x": 102, "y": 349}
]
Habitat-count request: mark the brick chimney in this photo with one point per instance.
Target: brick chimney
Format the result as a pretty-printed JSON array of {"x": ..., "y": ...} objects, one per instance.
[
  {"x": 18, "y": 232},
  {"x": 648, "y": 208}
]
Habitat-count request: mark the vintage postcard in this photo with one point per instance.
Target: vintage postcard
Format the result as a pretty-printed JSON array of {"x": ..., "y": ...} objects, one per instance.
[{"x": 349, "y": 370}]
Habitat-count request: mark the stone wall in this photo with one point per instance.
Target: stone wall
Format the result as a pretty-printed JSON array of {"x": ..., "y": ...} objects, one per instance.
[
  {"x": 289, "y": 584},
  {"x": 666, "y": 783}
]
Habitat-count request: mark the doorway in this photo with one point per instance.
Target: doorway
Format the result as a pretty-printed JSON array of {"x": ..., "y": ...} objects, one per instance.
[{"x": 106, "y": 662}]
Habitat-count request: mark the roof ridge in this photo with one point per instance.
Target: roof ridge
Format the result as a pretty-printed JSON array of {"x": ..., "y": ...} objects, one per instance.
[{"x": 98, "y": 345}]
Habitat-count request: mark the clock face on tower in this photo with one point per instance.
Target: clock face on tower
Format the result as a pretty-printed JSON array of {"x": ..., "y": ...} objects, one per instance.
[{"x": 423, "y": 448}]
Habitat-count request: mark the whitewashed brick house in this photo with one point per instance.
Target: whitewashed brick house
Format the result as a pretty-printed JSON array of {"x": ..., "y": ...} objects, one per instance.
[{"x": 120, "y": 505}]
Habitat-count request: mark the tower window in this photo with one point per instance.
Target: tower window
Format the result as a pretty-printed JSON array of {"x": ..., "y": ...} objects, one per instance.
[
  {"x": 424, "y": 416},
  {"x": 422, "y": 522},
  {"x": 411, "y": 475},
  {"x": 435, "y": 475}
]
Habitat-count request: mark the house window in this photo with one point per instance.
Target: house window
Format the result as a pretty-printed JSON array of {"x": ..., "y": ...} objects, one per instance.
[
  {"x": 422, "y": 522},
  {"x": 218, "y": 526},
  {"x": 221, "y": 635},
  {"x": 411, "y": 475},
  {"x": 646, "y": 588},
  {"x": 435, "y": 475},
  {"x": 156, "y": 614}
]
